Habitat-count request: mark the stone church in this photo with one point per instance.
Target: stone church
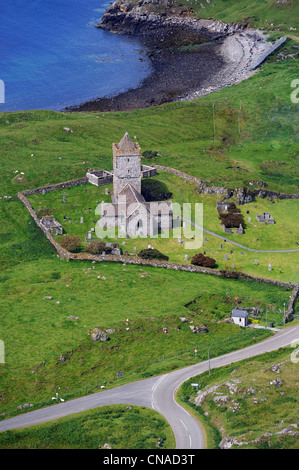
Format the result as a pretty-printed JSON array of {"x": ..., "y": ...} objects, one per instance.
[{"x": 129, "y": 210}]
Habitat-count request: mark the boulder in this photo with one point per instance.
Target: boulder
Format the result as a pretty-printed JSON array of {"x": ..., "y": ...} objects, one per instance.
[
  {"x": 198, "y": 329},
  {"x": 98, "y": 335}
]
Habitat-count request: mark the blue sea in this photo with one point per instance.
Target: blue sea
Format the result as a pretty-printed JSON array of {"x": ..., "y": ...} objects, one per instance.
[{"x": 52, "y": 56}]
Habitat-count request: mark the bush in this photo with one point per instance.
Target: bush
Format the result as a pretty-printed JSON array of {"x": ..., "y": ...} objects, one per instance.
[
  {"x": 150, "y": 154},
  {"x": 55, "y": 275},
  {"x": 43, "y": 211},
  {"x": 201, "y": 260},
  {"x": 152, "y": 253},
  {"x": 231, "y": 220},
  {"x": 96, "y": 248},
  {"x": 71, "y": 243}
]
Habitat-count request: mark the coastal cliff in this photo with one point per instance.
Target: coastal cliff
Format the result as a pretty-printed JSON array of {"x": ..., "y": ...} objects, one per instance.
[{"x": 146, "y": 17}]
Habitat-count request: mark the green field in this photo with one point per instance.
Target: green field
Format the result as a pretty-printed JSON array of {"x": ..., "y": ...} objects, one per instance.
[
  {"x": 271, "y": 15},
  {"x": 119, "y": 427},
  {"x": 260, "y": 411},
  {"x": 255, "y": 139}
]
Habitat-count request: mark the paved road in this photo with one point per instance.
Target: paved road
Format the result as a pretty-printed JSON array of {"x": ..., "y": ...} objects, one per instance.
[
  {"x": 235, "y": 243},
  {"x": 157, "y": 393}
]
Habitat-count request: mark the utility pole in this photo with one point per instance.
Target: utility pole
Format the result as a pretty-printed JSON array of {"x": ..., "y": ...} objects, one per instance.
[{"x": 284, "y": 314}]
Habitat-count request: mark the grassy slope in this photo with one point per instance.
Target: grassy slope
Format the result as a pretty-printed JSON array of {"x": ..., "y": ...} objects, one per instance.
[
  {"x": 267, "y": 14},
  {"x": 120, "y": 427},
  {"x": 255, "y": 125},
  {"x": 257, "y": 236},
  {"x": 258, "y": 137},
  {"x": 276, "y": 411}
]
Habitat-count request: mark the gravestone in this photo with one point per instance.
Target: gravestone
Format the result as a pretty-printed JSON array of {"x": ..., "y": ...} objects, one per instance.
[
  {"x": 89, "y": 235},
  {"x": 249, "y": 219},
  {"x": 179, "y": 240},
  {"x": 186, "y": 257},
  {"x": 256, "y": 261},
  {"x": 225, "y": 257},
  {"x": 63, "y": 199},
  {"x": 43, "y": 192},
  {"x": 233, "y": 266},
  {"x": 269, "y": 267},
  {"x": 81, "y": 220},
  {"x": 221, "y": 246}
]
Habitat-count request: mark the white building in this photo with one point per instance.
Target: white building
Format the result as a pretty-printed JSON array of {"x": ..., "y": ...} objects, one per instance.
[{"x": 240, "y": 317}]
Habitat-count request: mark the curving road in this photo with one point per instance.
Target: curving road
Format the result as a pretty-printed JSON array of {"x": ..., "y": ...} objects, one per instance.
[{"x": 157, "y": 393}]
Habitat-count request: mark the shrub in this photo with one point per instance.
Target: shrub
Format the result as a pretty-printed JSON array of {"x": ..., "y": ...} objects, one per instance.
[
  {"x": 55, "y": 275},
  {"x": 71, "y": 243},
  {"x": 96, "y": 248},
  {"x": 43, "y": 211},
  {"x": 152, "y": 253},
  {"x": 150, "y": 154},
  {"x": 231, "y": 220},
  {"x": 201, "y": 260}
]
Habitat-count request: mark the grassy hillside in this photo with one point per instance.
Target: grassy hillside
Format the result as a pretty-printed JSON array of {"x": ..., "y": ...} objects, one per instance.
[
  {"x": 255, "y": 136},
  {"x": 255, "y": 139},
  {"x": 108, "y": 427},
  {"x": 281, "y": 15},
  {"x": 254, "y": 405}
]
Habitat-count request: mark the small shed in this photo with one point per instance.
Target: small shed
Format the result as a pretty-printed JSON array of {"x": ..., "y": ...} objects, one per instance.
[{"x": 240, "y": 317}]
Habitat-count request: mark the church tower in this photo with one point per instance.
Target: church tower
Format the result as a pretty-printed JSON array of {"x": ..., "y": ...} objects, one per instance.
[{"x": 126, "y": 165}]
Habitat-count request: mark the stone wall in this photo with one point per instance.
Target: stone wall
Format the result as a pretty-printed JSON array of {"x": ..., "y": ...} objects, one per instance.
[
  {"x": 243, "y": 195},
  {"x": 291, "y": 304},
  {"x": 142, "y": 262},
  {"x": 55, "y": 187}
]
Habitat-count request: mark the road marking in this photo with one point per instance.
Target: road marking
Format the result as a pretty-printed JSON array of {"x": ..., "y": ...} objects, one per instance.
[
  {"x": 184, "y": 424},
  {"x": 190, "y": 441},
  {"x": 158, "y": 381},
  {"x": 173, "y": 397},
  {"x": 154, "y": 389}
]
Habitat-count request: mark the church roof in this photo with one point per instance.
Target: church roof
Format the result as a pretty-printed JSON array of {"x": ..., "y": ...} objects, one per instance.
[
  {"x": 127, "y": 146},
  {"x": 131, "y": 194}
]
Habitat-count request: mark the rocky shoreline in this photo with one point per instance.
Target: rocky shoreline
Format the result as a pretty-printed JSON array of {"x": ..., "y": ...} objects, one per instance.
[{"x": 190, "y": 57}]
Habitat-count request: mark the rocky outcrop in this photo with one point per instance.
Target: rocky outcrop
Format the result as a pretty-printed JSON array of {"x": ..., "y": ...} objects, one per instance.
[{"x": 147, "y": 16}]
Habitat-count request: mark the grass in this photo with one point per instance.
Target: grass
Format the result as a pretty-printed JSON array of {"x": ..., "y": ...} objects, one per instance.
[
  {"x": 263, "y": 14},
  {"x": 136, "y": 302},
  {"x": 255, "y": 124},
  {"x": 262, "y": 408},
  {"x": 283, "y": 235},
  {"x": 121, "y": 427}
]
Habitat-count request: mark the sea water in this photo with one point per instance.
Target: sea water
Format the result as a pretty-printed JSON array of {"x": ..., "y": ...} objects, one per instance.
[{"x": 52, "y": 56}]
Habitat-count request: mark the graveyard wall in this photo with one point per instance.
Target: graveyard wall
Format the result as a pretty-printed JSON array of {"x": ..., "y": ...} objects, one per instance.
[
  {"x": 154, "y": 263},
  {"x": 54, "y": 187},
  {"x": 241, "y": 193},
  {"x": 291, "y": 304}
]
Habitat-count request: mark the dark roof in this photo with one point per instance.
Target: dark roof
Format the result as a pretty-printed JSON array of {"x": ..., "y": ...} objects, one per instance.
[{"x": 239, "y": 313}]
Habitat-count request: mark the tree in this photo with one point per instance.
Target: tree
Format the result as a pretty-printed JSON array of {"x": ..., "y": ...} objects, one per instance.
[
  {"x": 201, "y": 260},
  {"x": 96, "y": 248},
  {"x": 152, "y": 253},
  {"x": 71, "y": 243}
]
